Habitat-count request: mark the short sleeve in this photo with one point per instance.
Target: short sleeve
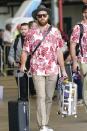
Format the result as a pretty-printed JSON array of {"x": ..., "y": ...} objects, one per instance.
[
  {"x": 60, "y": 41},
  {"x": 75, "y": 34}
]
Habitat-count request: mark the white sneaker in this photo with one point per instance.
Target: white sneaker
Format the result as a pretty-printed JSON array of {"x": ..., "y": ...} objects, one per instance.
[
  {"x": 49, "y": 129},
  {"x": 80, "y": 102},
  {"x": 44, "y": 128}
]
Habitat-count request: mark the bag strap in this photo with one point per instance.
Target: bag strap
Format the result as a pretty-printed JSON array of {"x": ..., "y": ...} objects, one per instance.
[
  {"x": 41, "y": 40},
  {"x": 16, "y": 43},
  {"x": 81, "y": 34}
]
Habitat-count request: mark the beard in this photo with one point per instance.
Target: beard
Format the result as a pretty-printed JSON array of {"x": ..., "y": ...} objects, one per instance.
[{"x": 42, "y": 22}]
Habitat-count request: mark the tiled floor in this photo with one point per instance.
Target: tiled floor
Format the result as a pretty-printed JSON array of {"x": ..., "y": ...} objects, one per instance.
[{"x": 56, "y": 121}]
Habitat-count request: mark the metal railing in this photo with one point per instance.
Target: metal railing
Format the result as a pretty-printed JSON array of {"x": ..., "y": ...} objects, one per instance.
[{"x": 1, "y": 60}]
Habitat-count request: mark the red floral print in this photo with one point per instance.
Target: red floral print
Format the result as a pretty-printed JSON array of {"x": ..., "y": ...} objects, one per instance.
[{"x": 44, "y": 60}]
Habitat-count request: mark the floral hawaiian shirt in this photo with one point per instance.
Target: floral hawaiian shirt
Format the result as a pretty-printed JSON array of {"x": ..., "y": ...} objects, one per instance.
[
  {"x": 75, "y": 39},
  {"x": 44, "y": 60}
]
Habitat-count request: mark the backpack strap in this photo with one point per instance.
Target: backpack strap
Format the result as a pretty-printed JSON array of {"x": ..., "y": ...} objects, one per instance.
[
  {"x": 16, "y": 43},
  {"x": 81, "y": 34}
]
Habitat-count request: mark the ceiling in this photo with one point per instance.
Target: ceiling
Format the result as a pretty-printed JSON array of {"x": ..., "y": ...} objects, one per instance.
[
  {"x": 18, "y": 2},
  {"x": 10, "y": 2}
]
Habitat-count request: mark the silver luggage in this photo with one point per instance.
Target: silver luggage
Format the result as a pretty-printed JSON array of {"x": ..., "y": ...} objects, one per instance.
[{"x": 67, "y": 98}]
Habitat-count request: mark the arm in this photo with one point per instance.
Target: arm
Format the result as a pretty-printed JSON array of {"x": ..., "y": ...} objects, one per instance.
[
  {"x": 61, "y": 62},
  {"x": 73, "y": 55},
  {"x": 74, "y": 39},
  {"x": 23, "y": 60},
  {"x": 25, "y": 52},
  {"x": 60, "y": 58}
]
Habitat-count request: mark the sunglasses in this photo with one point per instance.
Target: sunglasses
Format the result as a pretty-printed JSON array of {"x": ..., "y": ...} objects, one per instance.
[{"x": 42, "y": 15}]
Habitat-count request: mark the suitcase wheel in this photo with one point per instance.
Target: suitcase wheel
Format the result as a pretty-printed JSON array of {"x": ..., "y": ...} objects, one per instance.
[
  {"x": 63, "y": 115},
  {"x": 75, "y": 115}
]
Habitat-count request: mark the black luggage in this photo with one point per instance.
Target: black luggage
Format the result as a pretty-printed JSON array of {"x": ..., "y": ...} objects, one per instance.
[
  {"x": 32, "y": 90},
  {"x": 18, "y": 114},
  {"x": 18, "y": 111},
  {"x": 25, "y": 86}
]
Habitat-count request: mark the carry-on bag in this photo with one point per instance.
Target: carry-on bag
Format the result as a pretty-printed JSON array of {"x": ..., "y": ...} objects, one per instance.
[
  {"x": 23, "y": 85},
  {"x": 25, "y": 90},
  {"x": 67, "y": 98},
  {"x": 18, "y": 112},
  {"x": 76, "y": 78}
]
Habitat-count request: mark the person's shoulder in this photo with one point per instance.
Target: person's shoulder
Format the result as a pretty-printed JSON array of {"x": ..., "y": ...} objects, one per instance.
[
  {"x": 19, "y": 35},
  {"x": 31, "y": 31},
  {"x": 55, "y": 29},
  {"x": 77, "y": 25},
  {"x": 16, "y": 39}
]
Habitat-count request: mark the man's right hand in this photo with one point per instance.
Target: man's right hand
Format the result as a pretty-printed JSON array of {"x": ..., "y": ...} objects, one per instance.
[
  {"x": 15, "y": 64},
  {"x": 22, "y": 68}
]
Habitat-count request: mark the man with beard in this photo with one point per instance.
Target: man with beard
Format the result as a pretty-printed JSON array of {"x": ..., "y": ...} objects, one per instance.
[
  {"x": 81, "y": 59},
  {"x": 44, "y": 63}
]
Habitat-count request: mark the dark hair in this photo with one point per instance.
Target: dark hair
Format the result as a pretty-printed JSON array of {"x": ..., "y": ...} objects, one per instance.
[
  {"x": 84, "y": 8},
  {"x": 23, "y": 24},
  {"x": 1, "y": 30},
  {"x": 31, "y": 23},
  {"x": 8, "y": 26}
]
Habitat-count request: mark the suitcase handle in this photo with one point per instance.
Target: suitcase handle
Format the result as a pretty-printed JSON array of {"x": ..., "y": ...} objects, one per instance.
[{"x": 20, "y": 74}]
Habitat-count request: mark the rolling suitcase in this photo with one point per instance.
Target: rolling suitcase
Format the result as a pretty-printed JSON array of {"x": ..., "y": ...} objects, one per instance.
[
  {"x": 18, "y": 112},
  {"x": 67, "y": 98},
  {"x": 76, "y": 78},
  {"x": 18, "y": 116},
  {"x": 23, "y": 87}
]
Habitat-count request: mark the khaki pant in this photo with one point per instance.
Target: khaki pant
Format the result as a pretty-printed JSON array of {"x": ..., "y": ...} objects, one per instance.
[
  {"x": 45, "y": 86},
  {"x": 83, "y": 68}
]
